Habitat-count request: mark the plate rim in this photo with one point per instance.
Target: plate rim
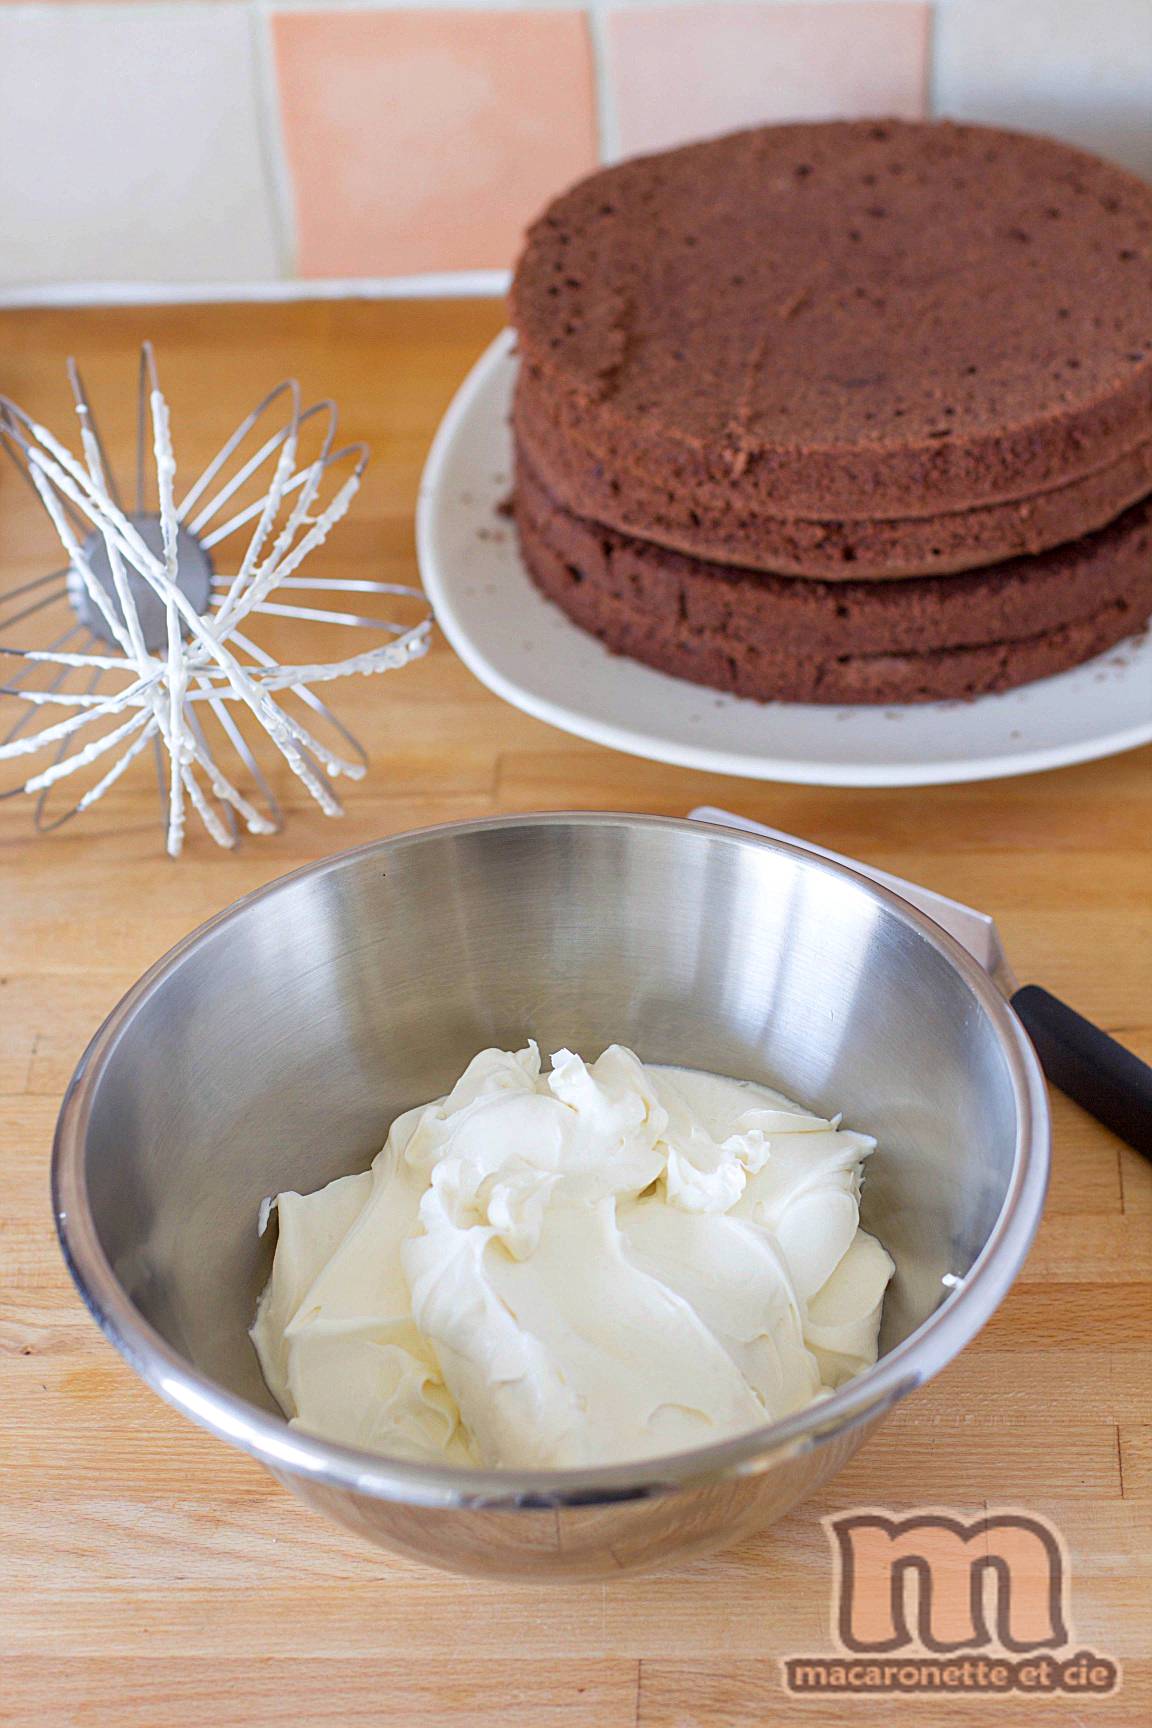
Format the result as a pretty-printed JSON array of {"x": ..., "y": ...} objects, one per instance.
[{"x": 431, "y": 501}]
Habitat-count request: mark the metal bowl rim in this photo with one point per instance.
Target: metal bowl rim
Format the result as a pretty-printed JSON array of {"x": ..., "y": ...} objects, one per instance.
[{"x": 284, "y": 1448}]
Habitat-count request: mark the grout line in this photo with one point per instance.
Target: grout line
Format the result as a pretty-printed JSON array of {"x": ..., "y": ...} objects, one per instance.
[
  {"x": 929, "y": 78},
  {"x": 607, "y": 119},
  {"x": 437, "y": 5},
  {"x": 280, "y": 188},
  {"x": 433, "y": 285},
  {"x": 522, "y": 5}
]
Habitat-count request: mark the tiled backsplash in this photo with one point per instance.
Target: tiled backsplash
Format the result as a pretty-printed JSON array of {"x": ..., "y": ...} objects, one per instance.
[
  {"x": 423, "y": 140},
  {"x": 225, "y": 142}
]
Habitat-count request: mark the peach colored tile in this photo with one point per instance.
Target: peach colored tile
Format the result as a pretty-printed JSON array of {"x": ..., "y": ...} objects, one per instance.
[
  {"x": 689, "y": 72},
  {"x": 426, "y": 140}
]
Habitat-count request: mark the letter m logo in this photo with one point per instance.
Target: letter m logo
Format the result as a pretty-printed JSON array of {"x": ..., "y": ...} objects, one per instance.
[{"x": 926, "y": 1580}]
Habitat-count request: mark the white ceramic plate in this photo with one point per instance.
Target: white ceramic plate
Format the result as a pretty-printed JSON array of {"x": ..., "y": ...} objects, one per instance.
[{"x": 524, "y": 648}]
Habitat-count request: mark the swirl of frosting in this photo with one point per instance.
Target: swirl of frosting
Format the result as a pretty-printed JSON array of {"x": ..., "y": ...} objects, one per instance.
[{"x": 598, "y": 1264}]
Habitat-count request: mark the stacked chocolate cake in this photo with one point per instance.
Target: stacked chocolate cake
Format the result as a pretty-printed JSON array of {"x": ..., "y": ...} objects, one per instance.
[{"x": 843, "y": 412}]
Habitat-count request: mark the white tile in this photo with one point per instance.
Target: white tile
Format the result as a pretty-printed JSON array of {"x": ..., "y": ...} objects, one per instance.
[
  {"x": 1077, "y": 69},
  {"x": 130, "y": 147}
]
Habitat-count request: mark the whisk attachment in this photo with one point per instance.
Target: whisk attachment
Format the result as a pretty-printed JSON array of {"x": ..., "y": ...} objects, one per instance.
[{"x": 140, "y": 643}]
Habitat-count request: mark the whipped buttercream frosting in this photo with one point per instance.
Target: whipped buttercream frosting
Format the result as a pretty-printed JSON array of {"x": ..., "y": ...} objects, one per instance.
[{"x": 596, "y": 1264}]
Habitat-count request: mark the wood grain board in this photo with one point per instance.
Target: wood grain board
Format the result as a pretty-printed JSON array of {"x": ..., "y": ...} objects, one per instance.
[{"x": 149, "y": 1575}]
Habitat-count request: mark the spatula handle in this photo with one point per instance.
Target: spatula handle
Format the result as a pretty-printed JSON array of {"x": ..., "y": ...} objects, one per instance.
[{"x": 1109, "y": 1081}]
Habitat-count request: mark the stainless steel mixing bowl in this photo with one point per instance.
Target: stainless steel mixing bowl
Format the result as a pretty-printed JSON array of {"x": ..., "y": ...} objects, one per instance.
[{"x": 273, "y": 1047}]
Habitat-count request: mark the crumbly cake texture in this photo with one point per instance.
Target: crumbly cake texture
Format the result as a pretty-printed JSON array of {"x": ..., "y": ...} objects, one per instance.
[
  {"x": 777, "y": 638},
  {"x": 827, "y": 349},
  {"x": 884, "y": 549}
]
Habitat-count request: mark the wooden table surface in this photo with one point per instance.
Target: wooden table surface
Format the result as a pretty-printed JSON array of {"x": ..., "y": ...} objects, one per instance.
[{"x": 151, "y": 1575}]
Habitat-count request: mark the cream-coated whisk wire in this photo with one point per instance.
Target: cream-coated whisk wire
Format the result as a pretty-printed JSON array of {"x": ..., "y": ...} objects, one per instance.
[{"x": 138, "y": 639}]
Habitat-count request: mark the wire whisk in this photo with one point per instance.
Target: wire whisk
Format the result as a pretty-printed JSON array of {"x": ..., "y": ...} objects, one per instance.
[{"x": 140, "y": 641}]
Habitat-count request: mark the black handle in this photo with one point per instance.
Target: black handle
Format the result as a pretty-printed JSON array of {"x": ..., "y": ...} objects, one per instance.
[{"x": 1111, "y": 1083}]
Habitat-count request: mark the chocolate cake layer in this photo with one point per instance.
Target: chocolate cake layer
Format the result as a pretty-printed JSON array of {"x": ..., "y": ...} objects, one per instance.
[
  {"x": 837, "y": 323},
  {"x": 783, "y": 638},
  {"x": 828, "y": 550}
]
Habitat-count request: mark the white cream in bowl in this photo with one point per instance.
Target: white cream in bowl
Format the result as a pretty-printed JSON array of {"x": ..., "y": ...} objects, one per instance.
[{"x": 591, "y": 1265}]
